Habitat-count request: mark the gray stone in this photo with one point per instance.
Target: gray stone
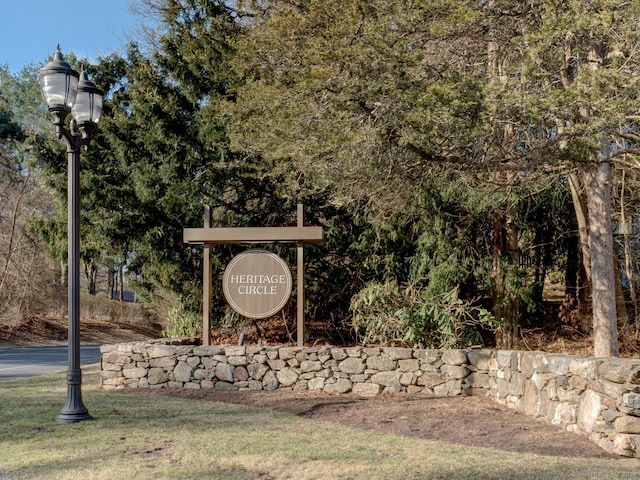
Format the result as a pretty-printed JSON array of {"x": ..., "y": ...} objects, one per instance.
[
  {"x": 479, "y": 380},
  {"x": 428, "y": 355},
  {"x": 530, "y": 398},
  {"x": 237, "y": 360},
  {"x": 633, "y": 376},
  {"x": 111, "y": 366},
  {"x": 454, "y": 372},
  {"x": 398, "y": 353},
  {"x": 235, "y": 350},
  {"x": 559, "y": 364},
  {"x": 338, "y": 354},
  {"x": 584, "y": 367},
  {"x": 451, "y": 388},
  {"x": 287, "y": 353},
  {"x": 366, "y": 389},
  {"x": 354, "y": 351},
  {"x": 563, "y": 414},
  {"x": 254, "y": 385},
  {"x": 110, "y": 373},
  {"x": 541, "y": 379},
  {"x": 351, "y": 365},
  {"x": 532, "y": 362},
  {"x": 588, "y": 411},
  {"x": 626, "y": 445},
  {"x": 202, "y": 374},
  {"x": 310, "y": 366},
  {"x": 225, "y": 386},
  {"x": 224, "y": 372},
  {"x": 504, "y": 358},
  {"x": 627, "y": 424},
  {"x": 614, "y": 370},
  {"x": 134, "y": 372},
  {"x": 386, "y": 378},
  {"x": 193, "y": 362},
  {"x": 479, "y": 359},
  {"x": 208, "y": 363},
  {"x": 454, "y": 357},
  {"x": 503, "y": 388},
  {"x": 277, "y": 364},
  {"x": 287, "y": 377},
  {"x": 157, "y": 351},
  {"x": 408, "y": 378},
  {"x": 269, "y": 381},
  {"x": 342, "y": 385},
  {"x": 517, "y": 384},
  {"x": 163, "y": 362},
  {"x": 381, "y": 363},
  {"x": 207, "y": 350},
  {"x": 410, "y": 365},
  {"x": 630, "y": 404},
  {"x": 182, "y": 372},
  {"x": 257, "y": 370},
  {"x": 610, "y": 415},
  {"x": 116, "y": 358},
  {"x": 316, "y": 383},
  {"x": 431, "y": 379}
]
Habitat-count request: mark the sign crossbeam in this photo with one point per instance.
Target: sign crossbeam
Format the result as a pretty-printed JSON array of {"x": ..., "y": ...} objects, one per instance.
[
  {"x": 227, "y": 235},
  {"x": 209, "y": 236}
]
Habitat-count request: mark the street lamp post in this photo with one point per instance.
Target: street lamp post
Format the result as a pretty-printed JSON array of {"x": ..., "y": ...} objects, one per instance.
[{"x": 67, "y": 91}]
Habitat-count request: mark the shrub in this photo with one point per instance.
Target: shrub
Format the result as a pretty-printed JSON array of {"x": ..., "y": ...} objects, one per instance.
[{"x": 388, "y": 314}]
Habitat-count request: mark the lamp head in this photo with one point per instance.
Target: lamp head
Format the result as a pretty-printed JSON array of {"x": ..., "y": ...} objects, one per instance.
[
  {"x": 87, "y": 108},
  {"x": 59, "y": 86}
]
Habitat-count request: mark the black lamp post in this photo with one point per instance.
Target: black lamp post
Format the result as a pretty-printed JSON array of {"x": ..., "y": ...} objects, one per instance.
[{"x": 67, "y": 91}]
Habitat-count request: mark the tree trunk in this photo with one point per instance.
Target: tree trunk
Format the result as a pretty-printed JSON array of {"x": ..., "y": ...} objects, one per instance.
[
  {"x": 121, "y": 281},
  {"x": 583, "y": 223},
  {"x": 90, "y": 273},
  {"x": 507, "y": 307},
  {"x": 583, "y": 281},
  {"x": 605, "y": 337}
]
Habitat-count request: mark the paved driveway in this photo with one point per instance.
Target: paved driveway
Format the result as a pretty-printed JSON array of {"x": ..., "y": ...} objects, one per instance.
[{"x": 16, "y": 362}]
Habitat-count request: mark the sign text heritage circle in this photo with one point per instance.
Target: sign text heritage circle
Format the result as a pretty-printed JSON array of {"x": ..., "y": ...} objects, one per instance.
[{"x": 257, "y": 283}]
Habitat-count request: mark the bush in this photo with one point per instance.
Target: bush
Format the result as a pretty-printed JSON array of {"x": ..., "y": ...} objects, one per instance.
[
  {"x": 181, "y": 323},
  {"x": 388, "y": 314}
]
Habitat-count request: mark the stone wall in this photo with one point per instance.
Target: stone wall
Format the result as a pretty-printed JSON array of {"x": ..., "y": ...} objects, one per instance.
[{"x": 596, "y": 397}]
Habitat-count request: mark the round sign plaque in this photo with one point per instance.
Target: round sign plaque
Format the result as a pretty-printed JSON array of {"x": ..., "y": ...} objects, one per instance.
[{"x": 257, "y": 283}]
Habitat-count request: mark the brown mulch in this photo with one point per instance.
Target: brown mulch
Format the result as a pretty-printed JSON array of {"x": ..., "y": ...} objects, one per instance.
[{"x": 464, "y": 420}]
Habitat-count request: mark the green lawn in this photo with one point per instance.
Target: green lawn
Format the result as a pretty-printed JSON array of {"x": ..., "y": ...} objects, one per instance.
[{"x": 133, "y": 437}]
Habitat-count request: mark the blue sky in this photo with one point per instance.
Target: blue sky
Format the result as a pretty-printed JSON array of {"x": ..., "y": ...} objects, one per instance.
[{"x": 31, "y": 29}]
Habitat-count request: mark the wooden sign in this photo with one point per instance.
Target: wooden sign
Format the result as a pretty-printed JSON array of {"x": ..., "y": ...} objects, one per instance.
[
  {"x": 257, "y": 283},
  {"x": 208, "y": 236}
]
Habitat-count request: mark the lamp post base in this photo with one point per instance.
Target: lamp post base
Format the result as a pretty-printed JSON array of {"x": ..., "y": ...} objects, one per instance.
[
  {"x": 73, "y": 417},
  {"x": 74, "y": 410}
]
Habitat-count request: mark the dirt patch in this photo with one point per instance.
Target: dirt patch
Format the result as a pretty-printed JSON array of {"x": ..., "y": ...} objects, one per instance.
[{"x": 472, "y": 421}]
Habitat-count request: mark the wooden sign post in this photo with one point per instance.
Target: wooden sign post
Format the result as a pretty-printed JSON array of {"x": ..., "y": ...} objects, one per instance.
[{"x": 209, "y": 236}]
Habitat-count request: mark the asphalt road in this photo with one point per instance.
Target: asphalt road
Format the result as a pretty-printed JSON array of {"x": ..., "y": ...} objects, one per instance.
[{"x": 16, "y": 362}]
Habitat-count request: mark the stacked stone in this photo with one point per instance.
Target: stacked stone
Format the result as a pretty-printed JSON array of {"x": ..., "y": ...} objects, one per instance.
[
  {"x": 590, "y": 396},
  {"x": 599, "y": 398},
  {"x": 364, "y": 371}
]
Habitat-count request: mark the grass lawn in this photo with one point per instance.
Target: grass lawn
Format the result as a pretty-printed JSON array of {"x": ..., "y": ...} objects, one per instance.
[{"x": 151, "y": 437}]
